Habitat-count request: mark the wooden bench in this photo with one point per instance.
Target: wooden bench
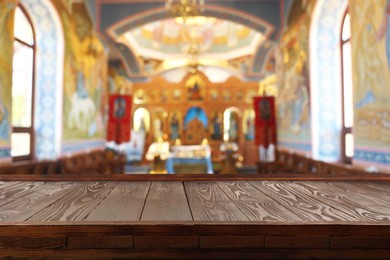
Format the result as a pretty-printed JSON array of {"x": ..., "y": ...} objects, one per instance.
[
  {"x": 293, "y": 163},
  {"x": 94, "y": 162},
  {"x": 30, "y": 167}
]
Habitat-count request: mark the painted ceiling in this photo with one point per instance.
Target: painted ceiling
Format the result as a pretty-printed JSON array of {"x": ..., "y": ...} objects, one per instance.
[
  {"x": 202, "y": 37},
  {"x": 236, "y": 36}
]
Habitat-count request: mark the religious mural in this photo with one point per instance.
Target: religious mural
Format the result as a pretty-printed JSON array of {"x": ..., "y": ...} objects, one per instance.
[
  {"x": 159, "y": 123},
  {"x": 216, "y": 126},
  {"x": 248, "y": 124},
  {"x": 195, "y": 88},
  {"x": 293, "y": 99},
  {"x": 175, "y": 123},
  {"x": 6, "y": 39},
  {"x": 371, "y": 72},
  {"x": 85, "y": 74}
]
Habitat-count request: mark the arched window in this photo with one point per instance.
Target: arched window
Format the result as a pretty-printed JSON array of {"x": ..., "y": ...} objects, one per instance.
[
  {"x": 22, "y": 137},
  {"x": 346, "y": 62}
]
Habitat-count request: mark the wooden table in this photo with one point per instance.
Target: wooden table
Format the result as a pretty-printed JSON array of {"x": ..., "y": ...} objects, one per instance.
[{"x": 193, "y": 218}]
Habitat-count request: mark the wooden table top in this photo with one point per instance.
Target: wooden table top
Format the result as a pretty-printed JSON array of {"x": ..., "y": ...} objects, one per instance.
[{"x": 195, "y": 201}]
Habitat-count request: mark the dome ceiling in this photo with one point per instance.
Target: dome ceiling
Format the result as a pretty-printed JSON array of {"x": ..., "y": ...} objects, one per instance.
[
  {"x": 207, "y": 41},
  {"x": 203, "y": 37},
  {"x": 236, "y": 36}
]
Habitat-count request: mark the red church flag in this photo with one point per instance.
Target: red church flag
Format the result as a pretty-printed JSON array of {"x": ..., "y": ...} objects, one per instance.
[
  {"x": 265, "y": 123},
  {"x": 119, "y": 120}
]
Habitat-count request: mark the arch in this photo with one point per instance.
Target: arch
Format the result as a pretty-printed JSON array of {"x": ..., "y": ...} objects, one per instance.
[
  {"x": 325, "y": 67},
  {"x": 48, "y": 77},
  {"x": 195, "y": 113},
  {"x": 248, "y": 124},
  {"x": 231, "y": 124},
  {"x": 23, "y": 66},
  {"x": 130, "y": 61},
  {"x": 141, "y": 120}
]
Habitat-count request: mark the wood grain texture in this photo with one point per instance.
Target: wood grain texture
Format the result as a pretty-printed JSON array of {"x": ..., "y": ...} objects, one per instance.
[
  {"x": 348, "y": 205},
  {"x": 95, "y": 242},
  {"x": 360, "y": 242},
  {"x": 152, "y": 242},
  {"x": 208, "y": 202},
  {"x": 17, "y": 190},
  {"x": 297, "y": 242},
  {"x": 360, "y": 191},
  {"x": 20, "y": 242},
  {"x": 5, "y": 184},
  {"x": 231, "y": 242},
  {"x": 124, "y": 203},
  {"x": 306, "y": 206},
  {"x": 255, "y": 204},
  {"x": 166, "y": 201},
  {"x": 76, "y": 206},
  {"x": 29, "y": 203}
]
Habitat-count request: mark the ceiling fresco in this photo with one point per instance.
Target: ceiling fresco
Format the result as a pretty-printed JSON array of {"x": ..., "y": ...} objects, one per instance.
[
  {"x": 207, "y": 36},
  {"x": 234, "y": 36}
]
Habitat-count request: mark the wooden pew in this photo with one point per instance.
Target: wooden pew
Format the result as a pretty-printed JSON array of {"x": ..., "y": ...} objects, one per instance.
[
  {"x": 293, "y": 163},
  {"x": 94, "y": 162},
  {"x": 30, "y": 167}
]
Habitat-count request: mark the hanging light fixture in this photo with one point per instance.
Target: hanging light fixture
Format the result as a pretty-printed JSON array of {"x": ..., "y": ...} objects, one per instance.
[{"x": 184, "y": 8}]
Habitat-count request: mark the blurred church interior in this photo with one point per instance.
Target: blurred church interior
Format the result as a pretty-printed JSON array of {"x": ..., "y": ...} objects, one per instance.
[{"x": 189, "y": 74}]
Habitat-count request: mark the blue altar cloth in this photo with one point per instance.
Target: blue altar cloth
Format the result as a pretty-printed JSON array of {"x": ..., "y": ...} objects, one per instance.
[{"x": 190, "y": 161}]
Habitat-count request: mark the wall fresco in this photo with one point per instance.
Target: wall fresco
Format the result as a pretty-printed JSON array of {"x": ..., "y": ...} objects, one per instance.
[
  {"x": 371, "y": 77},
  {"x": 293, "y": 99},
  {"x": 85, "y": 74}
]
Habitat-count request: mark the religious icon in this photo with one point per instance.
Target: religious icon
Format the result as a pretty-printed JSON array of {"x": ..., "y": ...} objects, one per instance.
[
  {"x": 195, "y": 88},
  {"x": 174, "y": 125},
  {"x": 216, "y": 126},
  {"x": 265, "y": 109},
  {"x": 119, "y": 122},
  {"x": 119, "y": 107},
  {"x": 194, "y": 92}
]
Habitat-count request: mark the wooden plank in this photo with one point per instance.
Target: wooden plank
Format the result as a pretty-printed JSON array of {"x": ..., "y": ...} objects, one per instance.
[
  {"x": 5, "y": 184},
  {"x": 305, "y": 205},
  {"x": 196, "y": 254},
  {"x": 231, "y": 242},
  {"x": 18, "y": 189},
  {"x": 297, "y": 241},
  {"x": 254, "y": 204},
  {"x": 370, "y": 193},
  {"x": 124, "y": 203},
  {"x": 208, "y": 202},
  {"x": 76, "y": 206},
  {"x": 24, "y": 242},
  {"x": 100, "y": 242},
  {"x": 152, "y": 242},
  {"x": 25, "y": 206},
  {"x": 345, "y": 206},
  {"x": 166, "y": 201},
  {"x": 359, "y": 242}
]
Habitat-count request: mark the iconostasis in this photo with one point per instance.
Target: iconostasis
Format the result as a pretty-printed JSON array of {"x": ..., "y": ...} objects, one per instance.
[{"x": 223, "y": 111}]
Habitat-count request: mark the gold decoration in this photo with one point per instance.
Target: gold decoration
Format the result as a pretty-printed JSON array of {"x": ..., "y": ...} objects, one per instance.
[{"x": 184, "y": 8}]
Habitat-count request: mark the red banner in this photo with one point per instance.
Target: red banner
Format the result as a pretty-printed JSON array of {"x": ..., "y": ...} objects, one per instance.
[
  {"x": 265, "y": 123},
  {"x": 119, "y": 120}
]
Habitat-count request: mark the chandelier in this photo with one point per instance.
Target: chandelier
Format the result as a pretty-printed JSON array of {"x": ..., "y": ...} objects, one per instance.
[{"x": 184, "y": 8}]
